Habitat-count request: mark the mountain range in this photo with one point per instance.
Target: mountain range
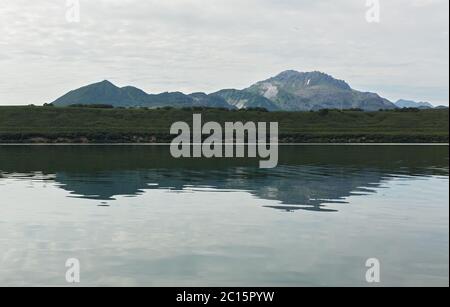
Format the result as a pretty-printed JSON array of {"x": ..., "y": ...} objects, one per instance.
[
  {"x": 288, "y": 91},
  {"x": 413, "y": 104}
]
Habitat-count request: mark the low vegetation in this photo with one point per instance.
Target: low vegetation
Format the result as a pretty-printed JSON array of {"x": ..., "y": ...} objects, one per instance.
[{"x": 102, "y": 124}]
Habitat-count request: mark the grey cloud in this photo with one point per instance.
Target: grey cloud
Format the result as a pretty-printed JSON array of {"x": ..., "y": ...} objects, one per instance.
[{"x": 205, "y": 45}]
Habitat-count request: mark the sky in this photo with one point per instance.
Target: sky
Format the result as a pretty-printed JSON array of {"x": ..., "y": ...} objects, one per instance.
[{"x": 207, "y": 45}]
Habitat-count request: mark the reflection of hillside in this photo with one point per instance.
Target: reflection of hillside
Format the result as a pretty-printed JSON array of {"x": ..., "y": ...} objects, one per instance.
[
  {"x": 295, "y": 187},
  {"x": 306, "y": 186},
  {"x": 307, "y": 178}
]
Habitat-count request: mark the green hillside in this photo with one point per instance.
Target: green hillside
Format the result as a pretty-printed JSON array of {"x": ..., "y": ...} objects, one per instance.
[{"x": 80, "y": 125}]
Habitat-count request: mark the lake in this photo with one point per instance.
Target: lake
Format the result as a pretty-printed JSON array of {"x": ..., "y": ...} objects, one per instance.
[{"x": 134, "y": 216}]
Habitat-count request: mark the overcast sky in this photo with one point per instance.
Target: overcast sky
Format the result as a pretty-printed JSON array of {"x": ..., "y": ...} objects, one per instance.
[{"x": 207, "y": 45}]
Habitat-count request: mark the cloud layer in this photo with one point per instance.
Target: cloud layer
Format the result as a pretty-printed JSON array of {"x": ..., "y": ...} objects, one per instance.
[{"x": 205, "y": 45}]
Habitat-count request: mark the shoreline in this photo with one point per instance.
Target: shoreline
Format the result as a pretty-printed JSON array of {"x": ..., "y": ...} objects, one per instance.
[{"x": 274, "y": 144}]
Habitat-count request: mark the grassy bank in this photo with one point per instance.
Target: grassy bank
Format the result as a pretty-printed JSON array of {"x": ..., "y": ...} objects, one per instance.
[{"x": 84, "y": 125}]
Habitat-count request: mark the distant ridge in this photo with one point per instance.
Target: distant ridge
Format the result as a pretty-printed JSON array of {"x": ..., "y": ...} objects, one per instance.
[
  {"x": 413, "y": 104},
  {"x": 288, "y": 91}
]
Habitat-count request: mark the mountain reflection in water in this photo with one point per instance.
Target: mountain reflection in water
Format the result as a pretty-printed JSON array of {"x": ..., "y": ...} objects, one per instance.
[{"x": 307, "y": 178}]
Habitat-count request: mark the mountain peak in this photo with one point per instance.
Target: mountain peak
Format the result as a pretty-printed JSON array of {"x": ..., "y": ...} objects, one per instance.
[
  {"x": 308, "y": 79},
  {"x": 298, "y": 74},
  {"x": 106, "y": 83},
  {"x": 288, "y": 74},
  {"x": 302, "y": 91}
]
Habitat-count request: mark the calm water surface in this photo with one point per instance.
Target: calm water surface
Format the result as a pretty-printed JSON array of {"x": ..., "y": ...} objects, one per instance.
[{"x": 134, "y": 216}]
